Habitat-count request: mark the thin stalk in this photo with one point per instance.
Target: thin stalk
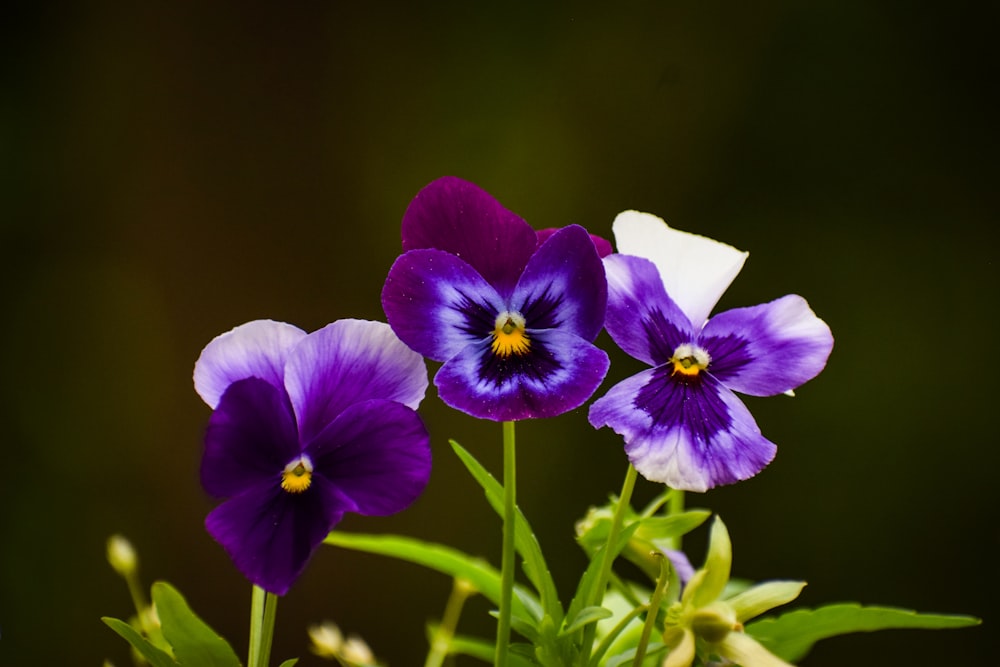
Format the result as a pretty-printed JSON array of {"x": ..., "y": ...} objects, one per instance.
[
  {"x": 507, "y": 562},
  {"x": 653, "y": 610},
  {"x": 597, "y": 596},
  {"x": 441, "y": 643},
  {"x": 263, "y": 609}
]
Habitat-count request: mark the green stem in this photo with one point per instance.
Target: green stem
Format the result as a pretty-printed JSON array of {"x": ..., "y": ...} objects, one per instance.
[
  {"x": 597, "y": 595},
  {"x": 653, "y": 610},
  {"x": 263, "y": 608},
  {"x": 507, "y": 562},
  {"x": 441, "y": 643},
  {"x": 675, "y": 506}
]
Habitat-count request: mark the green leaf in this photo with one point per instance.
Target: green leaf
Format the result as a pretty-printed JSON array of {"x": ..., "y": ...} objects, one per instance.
[
  {"x": 791, "y": 635},
  {"x": 193, "y": 641},
  {"x": 525, "y": 541},
  {"x": 586, "y": 615},
  {"x": 484, "y": 577},
  {"x": 585, "y": 587},
  {"x": 291, "y": 662},
  {"x": 153, "y": 655}
]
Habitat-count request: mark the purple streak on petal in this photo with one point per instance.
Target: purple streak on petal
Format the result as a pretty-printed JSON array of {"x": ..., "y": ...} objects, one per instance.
[
  {"x": 255, "y": 349},
  {"x": 563, "y": 287},
  {"x": 642, "y": 320},
  {"x": 559, "y": 374},
  {"x": 377, "y": 453},
  {"x": 767, "y": 349},
  {"x": 347, "y": 362},
  {"x": 271, "y": 534},
  {"x": 463, "y": 219},
  {"x": 688, "y": 435},
  {"x": 601, "y": 244},
  {"x": 437, "y": 304},
  {"x": 251, "y": 437},
  {"x": 682, "y": 566}
]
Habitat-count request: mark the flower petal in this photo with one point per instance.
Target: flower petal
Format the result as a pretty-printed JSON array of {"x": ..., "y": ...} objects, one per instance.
[
  {"x": 377, "y": 453},
  {"x": 563, "y": 287},
  {"x": 695, "y": 270},
  {"x": 463, "y": 219},
  {"x": 642, "y": 319},
  {"x": 601, "y": 244},
  {"x": 560, "y": 373},
  {"x": 437, "y": 304},
  {"x": 744, "y": 650},
  {"x": 271, "y": 534},
  {"x": 255, "y": 349},
  {"x": 689, "y": 436},
  {"x": 767, "y": 349},
  {"x": 347, "y": 362},
  {"x": 251, "y": 437}
]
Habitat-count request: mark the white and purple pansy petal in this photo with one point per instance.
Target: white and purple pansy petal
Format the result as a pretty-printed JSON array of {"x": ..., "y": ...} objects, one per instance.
[
  {"x": 695, "y": 270},
  {"x": 347, "y": 362},
  {"x": 438, "y": 304},
  {"x": 642, "y": 319},
  {"x": 377, "y": 453},
  {"x": 558, "y": 372},
  {"x": 461, "y": 218},
  {"x": 255, "y": 349},
  {"x": 690, "y": 435},
  {"x": 563, "y": 286},
  {"x": 768, "y": 349}
]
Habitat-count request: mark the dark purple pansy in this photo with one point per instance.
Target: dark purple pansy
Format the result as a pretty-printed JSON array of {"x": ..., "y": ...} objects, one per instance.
[
  {"x": 513, "y": 316},
  {"x": 680, "y": 419},
  {"x": 305, "y": 428}
]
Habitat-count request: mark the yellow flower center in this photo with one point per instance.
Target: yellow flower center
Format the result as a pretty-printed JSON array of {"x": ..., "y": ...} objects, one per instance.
[
  {"x": 297, "y": 475},
  {"x": 509, "y": 336},
  {"x": 689, "y": 360}
]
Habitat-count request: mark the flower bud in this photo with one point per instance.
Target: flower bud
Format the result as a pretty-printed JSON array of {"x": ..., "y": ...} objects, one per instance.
[
  {"x": 713, "y": 622},
  {"x": 121, "y": 556}
]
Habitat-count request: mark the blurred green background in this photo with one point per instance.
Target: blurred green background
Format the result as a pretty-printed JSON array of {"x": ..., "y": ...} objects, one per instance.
[{"x": 171, "y": 170}]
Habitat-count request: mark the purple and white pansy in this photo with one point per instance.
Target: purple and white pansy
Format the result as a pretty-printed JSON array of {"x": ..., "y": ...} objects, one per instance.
[
  {"x": 305, "y": 428},
  {"x": 680, "y": 419},
  {"x": 512, "y": 313}
]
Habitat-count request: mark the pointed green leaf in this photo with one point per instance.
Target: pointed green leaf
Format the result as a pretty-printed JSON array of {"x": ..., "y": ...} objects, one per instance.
[
  {"x": 585, "y": 587},
  {"x": 291, "y": 662},
  {"x": 525, "y": 541},
  {"x": 153, "y": 655},
  {"x": 791, "y": 635},
  {"x": 586, "y": 615},
  {"x": 484, "y": 577},
  {"x": 193, "y": 641}
]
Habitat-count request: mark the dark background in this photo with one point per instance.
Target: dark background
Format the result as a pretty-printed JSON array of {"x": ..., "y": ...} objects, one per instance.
[{"x": 171, "y": 170}]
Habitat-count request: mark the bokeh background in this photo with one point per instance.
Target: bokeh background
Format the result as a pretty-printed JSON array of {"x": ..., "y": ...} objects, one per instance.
[{"x": 171, "y": 170}]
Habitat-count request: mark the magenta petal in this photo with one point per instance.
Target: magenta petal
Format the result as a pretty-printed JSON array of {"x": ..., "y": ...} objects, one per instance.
[
  {"x": 347, "y": 362},
  {"x": 642, "y": 319},
  {"x": 767, "y": 349},
  {"x": 463, "y": 219},
  {"x": 689, "y": 436},
  {"x": 559, "y": 374},
  {"x": 251, "y": 436},
  {"x": 255, "y": 349},
  {"x": 271, "y": 534},
  {"x": 438, "y": 304},
  {"x": 563, "y": 286},
  {"x": 377, "y": 453}
]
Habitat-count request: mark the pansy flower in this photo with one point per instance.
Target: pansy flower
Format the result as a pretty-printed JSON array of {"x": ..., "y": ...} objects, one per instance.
[
  {"x": 305, "y": 428},
  {"x": 511, "y": 314},
  {"x": 680, "y": 419}
]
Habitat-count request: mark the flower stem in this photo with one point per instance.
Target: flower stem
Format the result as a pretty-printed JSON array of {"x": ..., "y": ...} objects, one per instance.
[
  {"x": 597, "y": 596},
  {"x": 441, "y": 642},
  {"x": 653, "y": 609},
  {"x": 507, "y": 562},
  {"x": 263, "y": 608}
]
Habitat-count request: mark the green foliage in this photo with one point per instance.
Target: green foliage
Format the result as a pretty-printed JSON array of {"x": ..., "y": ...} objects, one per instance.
[
  {"x": 146, "y": 649},
  {"x": 791, "y": 635}
]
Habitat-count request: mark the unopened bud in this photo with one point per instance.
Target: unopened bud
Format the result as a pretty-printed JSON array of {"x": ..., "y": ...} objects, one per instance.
[{"x": 121, "y": 556}]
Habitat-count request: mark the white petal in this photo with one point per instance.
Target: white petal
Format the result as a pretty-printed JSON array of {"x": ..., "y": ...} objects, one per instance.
[
  {"x": 255, "y": 349},
  {"x": 695, "y": 269}
]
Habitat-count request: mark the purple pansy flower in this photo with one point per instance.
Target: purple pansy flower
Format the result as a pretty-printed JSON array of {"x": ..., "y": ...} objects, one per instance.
[
  {"x": 513, "y": 316},
  {"x": 305, "y": 428},
  {"x": 680, "y": 419}
]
